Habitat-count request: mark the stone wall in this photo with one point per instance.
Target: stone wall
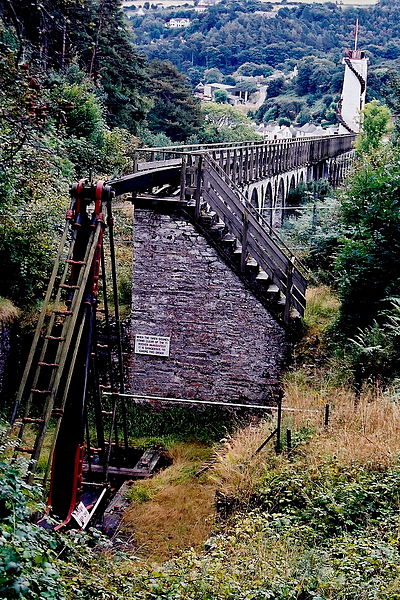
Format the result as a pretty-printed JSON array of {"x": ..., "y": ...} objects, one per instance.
[{"x": 224, "y": 344}]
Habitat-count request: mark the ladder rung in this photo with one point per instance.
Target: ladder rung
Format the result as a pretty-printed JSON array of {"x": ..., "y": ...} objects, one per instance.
[
  {"x": 62, "y": 312},
  {"x": 35, "y": 391},
  {"x": 102, "y": 345},
  {"x": 31, "y": 420},
  {"x": 106, "y": 412},
  {"x": 24, "y": 449},
  {"x": 105, "y": 387},
  {"x": 75, "y": 262},
  {"x": 66, "y": 286},
  {"x": 44, "y": 364},
  {"x": 54, "y": 338},
  {"x": 57, "y": 412}
]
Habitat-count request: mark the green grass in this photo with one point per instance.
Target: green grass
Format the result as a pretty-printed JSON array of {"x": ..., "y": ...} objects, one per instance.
[{"x": 322, "y": 308}]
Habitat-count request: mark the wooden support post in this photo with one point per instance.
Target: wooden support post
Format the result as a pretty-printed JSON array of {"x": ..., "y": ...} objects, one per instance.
[
  {"x": 183, "y": 179},
  {"x": 289, "y": 284},
  {"x": 245, "y": 229},
  {"x": 240, "y": 174},
  {"x": 228, "y": 163},
  {"x": 234, "y": 172},
  {"x": 199, "y": 178},
  {"x": 134, "y": 162},
  {"x": 326, "y": 415}
]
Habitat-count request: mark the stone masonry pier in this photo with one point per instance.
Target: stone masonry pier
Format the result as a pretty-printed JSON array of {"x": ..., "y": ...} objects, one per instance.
[{"x": 224, "y": 343}]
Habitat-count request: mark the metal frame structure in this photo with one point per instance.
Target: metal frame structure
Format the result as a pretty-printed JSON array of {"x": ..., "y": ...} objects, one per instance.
[{"x": 61, "y": 377}]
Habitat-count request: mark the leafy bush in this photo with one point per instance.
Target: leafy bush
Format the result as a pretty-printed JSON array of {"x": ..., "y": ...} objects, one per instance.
[
  {"x": 27, "y": 552},
  {"x": 374, "y": 352},
  {"x": 367, "y": 261}
]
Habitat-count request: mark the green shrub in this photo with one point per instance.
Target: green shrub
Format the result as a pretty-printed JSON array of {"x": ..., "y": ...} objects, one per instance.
[{"x": 27, "y": 551}]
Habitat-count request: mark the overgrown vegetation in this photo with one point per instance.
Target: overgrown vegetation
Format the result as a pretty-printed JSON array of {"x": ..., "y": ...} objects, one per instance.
[
  {"x": 316, "y": 522},
  {"x": 302, "y": 523}
]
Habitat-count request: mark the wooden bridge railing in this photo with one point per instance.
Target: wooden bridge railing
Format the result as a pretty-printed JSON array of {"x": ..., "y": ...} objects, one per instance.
[
  {"x": 257, "y": 238},
  {"x": 214, "y": 172},
  {"x": 249, "y": 161}
]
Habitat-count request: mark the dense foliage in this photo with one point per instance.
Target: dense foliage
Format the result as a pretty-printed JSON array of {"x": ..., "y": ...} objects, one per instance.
[
  {"x": 324, "y": 529},
  {"x": 231, "y": 34},
  {"x": 173, "y": 103},
  {"x": 73, "y": 91},
  {"x": 248, "y": 38},
  {"x": 27, "y": 552}
]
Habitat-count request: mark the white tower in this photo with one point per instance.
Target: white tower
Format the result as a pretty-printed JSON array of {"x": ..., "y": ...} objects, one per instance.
[{"x": 352, "y": 101}]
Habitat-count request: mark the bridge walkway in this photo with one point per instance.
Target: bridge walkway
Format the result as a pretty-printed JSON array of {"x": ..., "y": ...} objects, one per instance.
[{"x": 210, "y": 179}]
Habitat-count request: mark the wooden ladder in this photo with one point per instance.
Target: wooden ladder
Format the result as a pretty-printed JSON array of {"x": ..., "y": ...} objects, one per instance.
[{"x": 53, "y": 351}]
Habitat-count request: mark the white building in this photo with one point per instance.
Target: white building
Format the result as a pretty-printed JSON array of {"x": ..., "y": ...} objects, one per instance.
[
  {"x": 204, "y": 5},
  {"x": 352, "y": 101},
  {"x": 177, "y": 23}
]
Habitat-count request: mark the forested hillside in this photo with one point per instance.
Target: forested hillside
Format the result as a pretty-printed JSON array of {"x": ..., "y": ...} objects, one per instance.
[
  {"x": 233, "y": 33},
  {"x": 76, "y": 99},
  {"x": 252, "y": 39}
]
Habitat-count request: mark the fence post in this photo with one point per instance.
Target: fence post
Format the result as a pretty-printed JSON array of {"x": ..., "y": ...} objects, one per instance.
[
  {"x": 289, "y": 284},
  {"x": 326, "y": 415},
  {"x": 183, "y": 179},
  {"x": 197, "y": 193},
  {"x": 279, "y": 426},
  {"x": 289, "y": 439}
]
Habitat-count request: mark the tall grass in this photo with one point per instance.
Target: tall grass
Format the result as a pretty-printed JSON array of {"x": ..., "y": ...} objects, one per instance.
[
  {"x": 8, "y": 312},
  {"x": 174, "y": 510},
  {"x": 365, "y": 433}
]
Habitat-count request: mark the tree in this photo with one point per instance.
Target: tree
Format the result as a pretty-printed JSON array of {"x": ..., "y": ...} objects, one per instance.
[
  {"x": 374, "y": 126},
  {"x": 175, "y": 111},
  {"x": 56, "y": 33},
  {"x": 225, "y": 123},
  {"x": 213, "y": 75},
  {"x": 117, "y": 67},
  {"x": 251, "y": 69},
  {"x": 221, "y": 96},
  {"x": 314, "y": 76},
  {"x": 275, "y": 87},
  {"x": 367, "y": 263}
]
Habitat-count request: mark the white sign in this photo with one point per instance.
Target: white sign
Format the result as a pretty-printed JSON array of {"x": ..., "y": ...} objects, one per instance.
[
  {"x": 155, "y": 345},
  {"x": 81, "y": 514}
]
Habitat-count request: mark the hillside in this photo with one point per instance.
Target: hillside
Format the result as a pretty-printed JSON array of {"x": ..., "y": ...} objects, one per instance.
[{"x": 229, "y": 36}]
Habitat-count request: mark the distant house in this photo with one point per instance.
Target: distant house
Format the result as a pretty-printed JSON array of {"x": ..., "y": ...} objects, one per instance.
[
  {"x": 272, "y": 131},
  {"x": 178, "y": 23},
  {"x": 209, "y": 89},
  {"x": 203, "y": 5}
]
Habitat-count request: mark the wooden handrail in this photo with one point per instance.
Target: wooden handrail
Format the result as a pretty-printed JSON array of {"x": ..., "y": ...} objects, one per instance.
[
  {"x": 234, "y": 209},
  {"x": 260, "y": 219},
  {"x": 185, "y": 148}
]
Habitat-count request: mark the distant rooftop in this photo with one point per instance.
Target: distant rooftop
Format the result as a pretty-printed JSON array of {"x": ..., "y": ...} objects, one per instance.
[{"x": 358, "y": 3}]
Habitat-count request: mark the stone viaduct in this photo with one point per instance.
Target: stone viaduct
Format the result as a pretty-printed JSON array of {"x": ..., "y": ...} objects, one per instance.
[{"x": 214, "y": 287}]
